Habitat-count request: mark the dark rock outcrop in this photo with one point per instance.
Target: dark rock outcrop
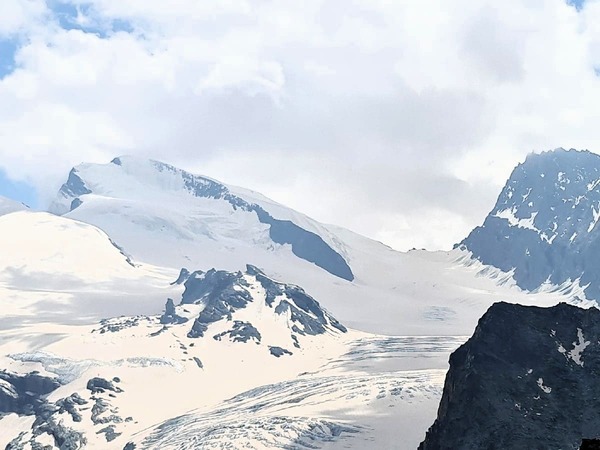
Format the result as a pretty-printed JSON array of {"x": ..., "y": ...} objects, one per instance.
[
  {"x": 65, "y": 438},
  {"x": 241, "y": 332},
  {"x": 305, "y": 244},
  {"x": 28, "y": 395},
  {"x": 75, "y": 186},
  {"x": 215, "y": 289},
  {"x": 170, "y": 314},
  {"x": 116, "y": 324},
  {"x": 198, "y": 362},
  {"x": 304, "y": 311},
  {"x": 109, "y": 433},
  {"x": 218, "y": 291},
  {"x": 48, "y": 422},
  {"x": 70, "y": 405},
  {"x": 223, "y": 293},
  {"x": 526, "y": 379},
  {"x": 76, "y": 203},
  {"x": 24, "y": 394},
  {"x": 278, "y": 351},
  {"x": 184, "y": 274},
  {"x": 100, "y": 385}
]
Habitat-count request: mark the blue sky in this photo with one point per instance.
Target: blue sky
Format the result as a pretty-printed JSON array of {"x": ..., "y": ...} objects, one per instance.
[
  {"x": 8, "y": 48},
  {"x": 67, "y": 14},
  {"x": 576, "y": 3},
  {"x": 19, "y": 191}
]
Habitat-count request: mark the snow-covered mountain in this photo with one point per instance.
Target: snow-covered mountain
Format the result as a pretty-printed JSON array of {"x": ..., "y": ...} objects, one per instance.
[
  {"x": 168, "y": 217},
  {"x": 136, "y": 199},
  {"x": 283, "y": 333},
  {"x": 527, "y": 378},
  {"x": 545, "y": 222}
]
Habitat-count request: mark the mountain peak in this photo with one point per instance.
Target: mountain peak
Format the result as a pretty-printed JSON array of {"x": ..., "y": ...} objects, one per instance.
[{"x": 544, "y": 223}]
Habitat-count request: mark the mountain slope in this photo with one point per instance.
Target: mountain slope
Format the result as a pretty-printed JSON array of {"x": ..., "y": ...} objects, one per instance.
[
  {"x": 54, "y": 269},
  {"x": 167, "y": 217},
  {"x": 214, "y": 344},
  {"x": 545, "y": 222},
  {"x": 527, "y": 378},
  {"x": 8, "y": 206},
  {"x": 41, "y": 244},
  {"x": 151, "y": 194}
]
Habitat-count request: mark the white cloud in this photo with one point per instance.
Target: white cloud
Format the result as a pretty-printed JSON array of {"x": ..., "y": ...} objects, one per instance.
[
  {"x": 398, "y": 119},
  {"x": 19, "y": 15}
]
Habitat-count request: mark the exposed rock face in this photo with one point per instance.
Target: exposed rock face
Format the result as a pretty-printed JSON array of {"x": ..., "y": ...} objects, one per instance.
[
  {"x": 198, "y": 362},
  {"x": 99, "y": 385},
  {"x": 217, "y": 290},
  {"x": 278, "y": 351},
  {"x": 240, "y": 332},
  {"x": 109, "y": 433},
  {"x": 116, "y": 324},
  {"x": 545, "y": 222},
  {"x": 72, "y": 190},
  {"x": 76, "y": 203},
  {"x": 70, "y": 405},
  {"x": 305, "y": 244},
  {"x": 526, "y": 379},
  {"x": 24, "y": 394},
  {"x": 29, "y": 394},
  {"x": 184, "y": 274},
  {"x": 74, "y": 186},
  {"x": 170, "y": 314},
  {"x": 304, "y": 310},
  {"x": 223, "y": 293}
]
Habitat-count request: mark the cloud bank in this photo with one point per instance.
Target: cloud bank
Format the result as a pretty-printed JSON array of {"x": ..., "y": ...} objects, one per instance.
[{"x": 397, "y": 119}]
